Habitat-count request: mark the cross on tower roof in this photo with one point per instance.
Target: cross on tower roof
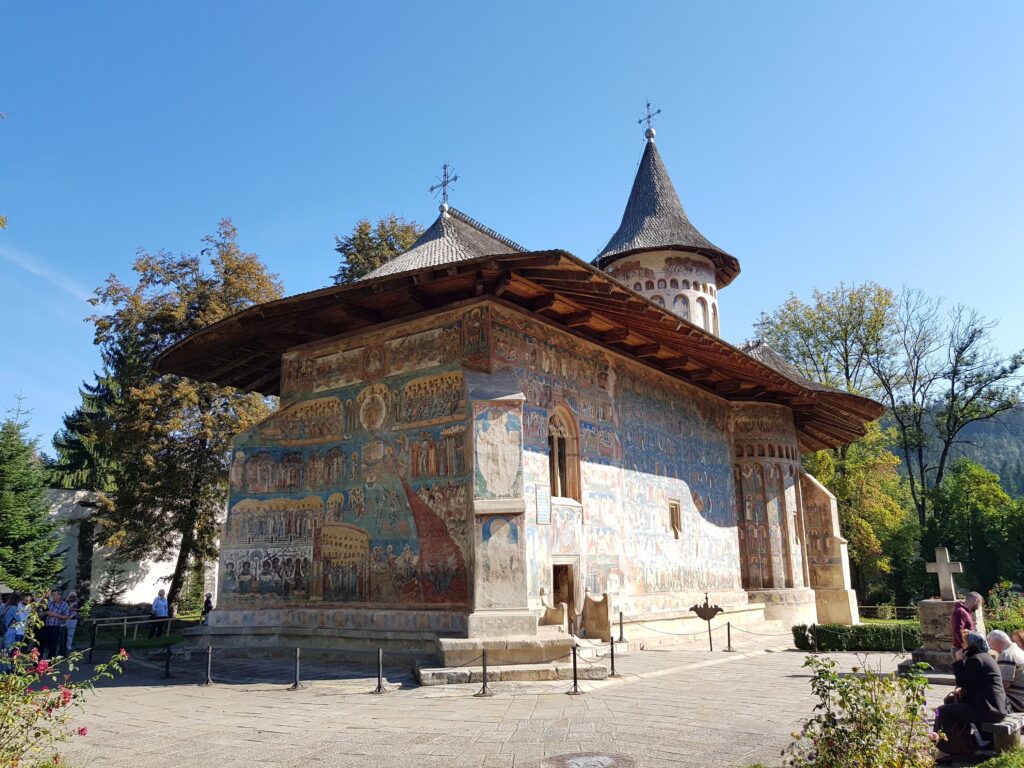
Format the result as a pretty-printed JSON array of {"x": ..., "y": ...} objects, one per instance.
[
  {"x": 443, "y": 183},
  {"x": 944, "y": 569},
  {"x": 649, "y": 119}
]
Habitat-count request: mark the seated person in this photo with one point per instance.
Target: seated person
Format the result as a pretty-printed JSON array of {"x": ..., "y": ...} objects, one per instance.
[
  {"x": 1011, "y": 665},
  {"x": 980, "y": 697}
]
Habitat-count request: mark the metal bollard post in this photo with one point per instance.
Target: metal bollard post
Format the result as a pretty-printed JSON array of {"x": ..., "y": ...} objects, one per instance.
[
  {"x": 575, "y": 690},
  {"x": 728, "y": 636},
  {"x": 484, "y": 690},
  {"x": 167, "y": 629},
  {"x": 613, "y": 673},
  {"x": 296, "y": 684},
  {"x": 814, "y": 636},
  {"x": 95, "y": 632},
  {"x": 167, "y": 664},
  {"x": 209, "y": 666},
  {"x": 380, "y": 672},
  {"x": 622, "y": 636}
]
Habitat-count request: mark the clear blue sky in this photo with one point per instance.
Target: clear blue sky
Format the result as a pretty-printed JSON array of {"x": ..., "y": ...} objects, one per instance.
[{"x": 816, "y": 141}]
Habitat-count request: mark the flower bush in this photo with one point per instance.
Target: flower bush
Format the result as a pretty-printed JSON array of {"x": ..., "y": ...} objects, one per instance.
[
  {"x": 38, "y": 699},
  {"x": 1003, "y": 604},
  {"x": 865, "y": 720}
]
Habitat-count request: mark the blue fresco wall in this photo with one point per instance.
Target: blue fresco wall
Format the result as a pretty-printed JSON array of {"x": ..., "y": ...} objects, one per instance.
[
  {"x": 355, "y": 491},
  {"x": 645, "y": 440}
]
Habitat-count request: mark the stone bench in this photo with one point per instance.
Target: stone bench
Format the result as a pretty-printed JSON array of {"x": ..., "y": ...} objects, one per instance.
[{"x": 1005, "y": 734}]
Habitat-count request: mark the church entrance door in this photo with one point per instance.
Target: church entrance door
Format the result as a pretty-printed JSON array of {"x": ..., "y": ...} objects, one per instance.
[{"x": 564, "y": 581}]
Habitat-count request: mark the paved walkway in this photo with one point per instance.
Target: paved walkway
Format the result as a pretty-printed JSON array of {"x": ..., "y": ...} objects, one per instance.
[{"x": 671, "y": 707}]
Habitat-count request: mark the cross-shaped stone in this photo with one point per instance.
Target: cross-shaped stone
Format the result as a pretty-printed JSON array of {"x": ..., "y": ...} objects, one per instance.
[
  {"x": 944, "y": 569},
  {"x": 443, "y": 183}
]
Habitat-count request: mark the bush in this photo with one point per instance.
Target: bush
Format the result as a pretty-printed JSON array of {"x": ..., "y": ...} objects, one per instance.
[
  {"x": 864, "y": 720},
  {"x": 874, "y": 636},
  {"x": 37, "y": 699}
]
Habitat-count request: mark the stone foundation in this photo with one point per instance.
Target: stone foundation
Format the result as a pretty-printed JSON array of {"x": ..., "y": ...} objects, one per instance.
[
  {"x": 837, "y": 606},
  {"x": 788, "y": 606}
]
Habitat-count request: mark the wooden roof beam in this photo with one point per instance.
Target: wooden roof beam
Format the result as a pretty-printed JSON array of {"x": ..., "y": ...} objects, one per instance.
[
  {"x": 615, "y": 335},
  {"x": 575, "y": 319},
  {"x": 646, "y": 350}
]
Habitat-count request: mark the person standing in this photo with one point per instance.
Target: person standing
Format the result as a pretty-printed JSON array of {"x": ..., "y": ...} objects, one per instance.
[
  {"x": 962, "y": 618},
  {"x": 57, "y": 613},
  {"x": 72, "y": 623},
  {"x": 207, "y": 607},
  {"x": 8, "y": 620},
  {"x": 159, "y": 612}
]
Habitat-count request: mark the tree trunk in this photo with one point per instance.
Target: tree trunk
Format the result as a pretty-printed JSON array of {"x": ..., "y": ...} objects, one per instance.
[{"x": 182, "y": 563}]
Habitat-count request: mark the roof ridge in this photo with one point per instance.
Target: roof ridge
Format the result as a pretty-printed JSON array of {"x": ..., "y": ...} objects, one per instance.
[{"x": 467, "y": 219}]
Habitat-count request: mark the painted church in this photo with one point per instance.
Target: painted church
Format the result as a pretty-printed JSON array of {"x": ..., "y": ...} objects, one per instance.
[{"x": 476, "y": 433}]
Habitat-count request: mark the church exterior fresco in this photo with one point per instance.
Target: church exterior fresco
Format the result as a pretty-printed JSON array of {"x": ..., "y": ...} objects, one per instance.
[
  {"x": 356, "y": 490},
  {"x": 644, "y": 441}
]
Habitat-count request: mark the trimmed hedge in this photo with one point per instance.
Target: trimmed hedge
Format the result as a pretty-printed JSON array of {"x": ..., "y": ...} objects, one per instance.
[{"x": 875, "y": 635}]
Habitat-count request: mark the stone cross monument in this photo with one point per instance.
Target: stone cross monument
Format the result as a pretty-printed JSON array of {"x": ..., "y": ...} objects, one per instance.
[
  {"x": 944, "y": 569},
  {"x": 936, "y": 632}
]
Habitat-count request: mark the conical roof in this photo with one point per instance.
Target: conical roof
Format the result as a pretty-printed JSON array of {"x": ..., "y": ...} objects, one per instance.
[
  {"x": 452, "y": 237},
  {"x": 654, "y": 220}
]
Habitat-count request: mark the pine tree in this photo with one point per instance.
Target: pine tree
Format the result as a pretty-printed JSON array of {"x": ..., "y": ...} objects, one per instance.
[
  {"x": 28, "y": 542},
  {"x": 368, "y": 246}
]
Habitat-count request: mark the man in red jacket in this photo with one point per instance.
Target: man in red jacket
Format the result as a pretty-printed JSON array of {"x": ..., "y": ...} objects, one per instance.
[{"x": 963, "y": 617}]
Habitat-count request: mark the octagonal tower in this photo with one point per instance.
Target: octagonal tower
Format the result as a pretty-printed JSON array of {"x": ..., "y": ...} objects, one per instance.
[{"x": 658, "y": 253}]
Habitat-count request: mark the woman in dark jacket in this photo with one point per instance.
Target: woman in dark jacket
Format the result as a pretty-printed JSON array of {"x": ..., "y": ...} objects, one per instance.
[{"x": 980, "y": 697}]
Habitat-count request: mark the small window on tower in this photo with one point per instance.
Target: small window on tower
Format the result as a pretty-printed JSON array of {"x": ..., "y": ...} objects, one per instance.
[{"x": 675, "y": 517}]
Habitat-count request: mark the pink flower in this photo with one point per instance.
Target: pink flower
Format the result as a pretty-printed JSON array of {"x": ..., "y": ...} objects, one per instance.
[
  {"x": 83, "y": 731},
  {"x": 123, "y": 653},
  {"x": 42, "y": 666},
  {"x": 34, "y": 654},
  {"x": 66, "y": 695}
]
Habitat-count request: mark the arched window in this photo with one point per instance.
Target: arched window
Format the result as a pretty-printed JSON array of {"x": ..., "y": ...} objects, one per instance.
[
  {"x": 662, "y": 283},
  {"x": 564, "y": 455},
  {"x": 714, "y": 318},
  {"x": 649, "y": 285},
  {"x": 637, "y": 286},
  {"x": 658, "y": 300},
  {"x": 686, "y": 285},
  {"x": 673, "y": 283},
  {"x": 681, "y": 306},
  {"x": 702, "y": 311}
]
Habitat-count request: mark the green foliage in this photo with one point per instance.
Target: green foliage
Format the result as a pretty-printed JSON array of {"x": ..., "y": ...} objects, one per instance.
[
  {"x": 38, "y": 699},
  {"x": 368, "y": 246},
  {"x": 1011, "y": 759},
  {"x": 875, "y": 513},
  {"x": 866, "y": 720},
  {"x": 169, "y": 437},
  {"x": 980, "y": 524},
  {"x": 194, "y": 591},
  {"x": 870, "y": 636},
  {"x": 28, "y": 543},
  {"x": 1004, "y": 605}
]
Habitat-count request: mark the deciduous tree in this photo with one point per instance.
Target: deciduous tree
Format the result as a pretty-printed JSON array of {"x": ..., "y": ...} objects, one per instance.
[{"x": 170, "y": 436}]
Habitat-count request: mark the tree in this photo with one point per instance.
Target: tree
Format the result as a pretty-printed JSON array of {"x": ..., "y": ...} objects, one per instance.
[
  {"x": 875, "y": 514},
  {"x": 980, "y": 524},
  {"x": 938, "y": 372},
  {"x": 170, "y": 437},
  {"x": 829, "y": 338},
  {"x": 28, "y": 542},
  {"x": 368, "y": 246}
]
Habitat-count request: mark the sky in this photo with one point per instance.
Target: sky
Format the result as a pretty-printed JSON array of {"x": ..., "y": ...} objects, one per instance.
[{"x": 817, "y": 142}]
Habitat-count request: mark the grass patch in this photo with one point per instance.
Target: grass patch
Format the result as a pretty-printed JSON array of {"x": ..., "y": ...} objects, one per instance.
[{"x": 1012, "y": 759}]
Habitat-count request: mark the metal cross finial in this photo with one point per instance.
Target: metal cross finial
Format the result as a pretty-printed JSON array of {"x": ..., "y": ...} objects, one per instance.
[
  {"x": 443, "y": 183},
  {"x": 649, "y": 119}
]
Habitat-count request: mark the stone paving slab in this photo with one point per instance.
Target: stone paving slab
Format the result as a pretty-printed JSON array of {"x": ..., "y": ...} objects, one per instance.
[{"x": 683, "y": 707}]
